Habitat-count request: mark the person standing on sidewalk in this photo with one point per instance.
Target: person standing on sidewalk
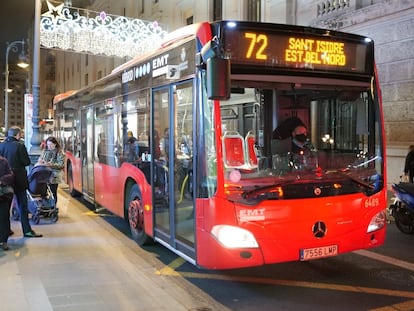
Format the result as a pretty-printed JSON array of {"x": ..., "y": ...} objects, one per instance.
[
  {"x": 409, "y": 164},
  {"x": 53, "y": 157},
  {"x": 6, "y": 180},
  {"x": 16, "y": 153}
]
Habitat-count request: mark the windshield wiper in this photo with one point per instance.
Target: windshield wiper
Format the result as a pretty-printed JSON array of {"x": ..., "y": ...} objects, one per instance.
[
  {"x": 366, "y": 162},
  {"x": 370, "y": 186},
  {"x": 357, "y": 180},
  {"x": 262, "y": 193}
]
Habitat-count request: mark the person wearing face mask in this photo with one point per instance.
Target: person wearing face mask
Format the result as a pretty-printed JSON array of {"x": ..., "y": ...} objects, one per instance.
[
  {"x": 303, "y": 153},
  {"x": 299, "y": 139}
]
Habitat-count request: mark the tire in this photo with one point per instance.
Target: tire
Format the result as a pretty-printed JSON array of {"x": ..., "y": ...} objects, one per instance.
[
  {"x": 36, "y": 218},
  {"x": 54, "y": 216},
  {"x": 404, "y": 221},
  {"x": 72, "y": 190},
  {"x": 134, "y": 208}
]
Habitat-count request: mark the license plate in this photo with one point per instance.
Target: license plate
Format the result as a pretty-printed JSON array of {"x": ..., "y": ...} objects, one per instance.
[{"x": 318, "y": 252}]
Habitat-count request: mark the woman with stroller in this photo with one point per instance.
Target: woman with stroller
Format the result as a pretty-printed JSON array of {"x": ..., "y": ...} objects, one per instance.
[{"x": 53, "y": 157}]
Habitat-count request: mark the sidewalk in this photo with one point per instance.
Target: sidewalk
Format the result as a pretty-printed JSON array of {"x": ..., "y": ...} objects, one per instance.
[{"x": 83, "y": 263}]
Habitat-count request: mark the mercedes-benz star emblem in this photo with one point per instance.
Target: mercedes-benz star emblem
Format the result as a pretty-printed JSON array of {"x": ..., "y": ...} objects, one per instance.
[{"x": 319, "y": 229}]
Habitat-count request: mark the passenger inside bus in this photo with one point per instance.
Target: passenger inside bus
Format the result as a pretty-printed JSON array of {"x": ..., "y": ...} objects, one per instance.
[
  {"x": 131, "y": 150},
  {"x": 184, "y": 165},
  {"x": 164, "y": 145},
  {"x": 156, "y": 139},
  {"x": 102, "y": 149},
  {"x": 83, "y": 150}
]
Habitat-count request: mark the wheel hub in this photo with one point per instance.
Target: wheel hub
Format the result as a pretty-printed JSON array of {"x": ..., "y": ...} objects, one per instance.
[{"x": 135, "y": 214}]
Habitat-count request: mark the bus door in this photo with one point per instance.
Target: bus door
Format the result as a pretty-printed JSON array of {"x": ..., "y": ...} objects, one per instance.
[
  {"x": 87, "y": 141},
  {"x": 174, "y": 211}
]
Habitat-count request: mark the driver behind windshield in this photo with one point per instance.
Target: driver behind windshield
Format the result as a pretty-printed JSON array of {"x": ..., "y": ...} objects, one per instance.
[
  {"x": 299, "y": 139},
  {"x": 297, "y": 131}
]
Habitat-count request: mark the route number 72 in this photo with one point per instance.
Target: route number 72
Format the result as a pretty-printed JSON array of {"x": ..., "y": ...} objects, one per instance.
[{"x": 258, "y": 44}]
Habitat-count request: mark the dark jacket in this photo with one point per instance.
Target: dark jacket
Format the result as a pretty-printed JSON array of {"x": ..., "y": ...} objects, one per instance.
[
  {"x": 409, "y": 163},
  {"x": 6, "y": 174},
  {"x": 16, "y": 153}
]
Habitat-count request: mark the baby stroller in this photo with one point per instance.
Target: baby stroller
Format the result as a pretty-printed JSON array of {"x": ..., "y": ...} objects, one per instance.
[{"x": 40, "y": 200}]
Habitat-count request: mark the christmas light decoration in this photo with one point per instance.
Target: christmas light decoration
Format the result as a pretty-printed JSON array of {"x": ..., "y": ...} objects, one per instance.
[{"x": 97, "y": 33}]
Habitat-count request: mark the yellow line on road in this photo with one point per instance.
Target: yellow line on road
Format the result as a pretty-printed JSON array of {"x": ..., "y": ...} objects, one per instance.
[
  {"x": 170, "y": 269},
  {"x": 403, "y": 306},
  {"x": 91, "y": 213},
  {"x": 337, "y": 287}
]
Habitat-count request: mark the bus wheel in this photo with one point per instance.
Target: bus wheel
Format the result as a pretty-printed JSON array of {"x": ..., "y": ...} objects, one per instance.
[
  {"x": 136, "y": 216},
  {"x": 72, "y": 190}
]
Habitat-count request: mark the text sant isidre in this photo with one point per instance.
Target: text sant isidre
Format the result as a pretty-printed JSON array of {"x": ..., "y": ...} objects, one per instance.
[{"x": 315, "y": 52}]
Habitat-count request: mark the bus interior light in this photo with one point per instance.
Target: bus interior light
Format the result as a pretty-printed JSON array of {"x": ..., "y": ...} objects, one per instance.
[
  {"x": 377, "y": 222},
  {"x": 234, "y": 237}
]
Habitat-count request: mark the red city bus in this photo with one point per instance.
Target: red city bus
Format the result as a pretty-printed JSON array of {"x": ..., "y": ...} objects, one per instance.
[{"x": 236, "y": 144}]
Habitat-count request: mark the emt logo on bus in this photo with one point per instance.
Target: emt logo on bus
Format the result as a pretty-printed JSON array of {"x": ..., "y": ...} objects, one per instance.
[{"x": 315, "y": 52}]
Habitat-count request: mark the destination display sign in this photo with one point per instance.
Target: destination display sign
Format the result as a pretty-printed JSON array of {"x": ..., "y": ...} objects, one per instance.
[{"x": 297, "y": 50}]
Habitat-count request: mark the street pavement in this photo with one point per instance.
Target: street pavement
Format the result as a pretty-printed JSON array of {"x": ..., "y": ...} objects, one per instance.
[{"x": 84, "y": 263}]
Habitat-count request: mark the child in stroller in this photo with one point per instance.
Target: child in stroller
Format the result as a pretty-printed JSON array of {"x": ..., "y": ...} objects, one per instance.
[{"x": 40, "y": 200}]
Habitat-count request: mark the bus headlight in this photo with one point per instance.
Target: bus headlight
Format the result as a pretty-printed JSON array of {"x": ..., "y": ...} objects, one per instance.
[
  {"x": 377, "y": 222},
  {"x": 234, "y": 237}
]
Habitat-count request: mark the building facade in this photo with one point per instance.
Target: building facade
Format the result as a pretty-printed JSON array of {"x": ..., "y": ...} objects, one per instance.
[{"x": 390, "y": 23}]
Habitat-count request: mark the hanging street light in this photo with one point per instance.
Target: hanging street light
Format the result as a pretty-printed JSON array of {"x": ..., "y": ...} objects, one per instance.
[{"x": 23, "y": 60}]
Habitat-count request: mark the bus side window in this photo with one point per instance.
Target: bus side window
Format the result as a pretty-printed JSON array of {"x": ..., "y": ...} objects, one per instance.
[{"x": 233, "y": 149}]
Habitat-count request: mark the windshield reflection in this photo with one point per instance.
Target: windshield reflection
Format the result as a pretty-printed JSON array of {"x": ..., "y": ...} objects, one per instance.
[{"x": 297, "y": 176}]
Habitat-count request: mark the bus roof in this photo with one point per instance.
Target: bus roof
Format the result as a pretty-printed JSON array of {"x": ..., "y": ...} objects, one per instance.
[
  {"x": 61, "y": 96},
  {"x": 173, "y": 37},
  {"x": 200, "y": 30},
  {"x": 204, "y": 32}
]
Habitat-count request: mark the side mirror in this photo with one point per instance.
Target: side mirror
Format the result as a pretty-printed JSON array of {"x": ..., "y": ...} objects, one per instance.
[{"x": 218, "y": 78}]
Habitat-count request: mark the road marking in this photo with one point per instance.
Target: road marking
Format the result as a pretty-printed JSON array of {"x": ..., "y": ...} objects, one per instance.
[
  {"x": 170, "y": 270},
  {"x": 328, "y": 286},
  {"x": 91, "y": 213},
  {"x": 99, "y": 213},
  {"x": 390, "y": 260},
  {"x": 403, "y": 306}
]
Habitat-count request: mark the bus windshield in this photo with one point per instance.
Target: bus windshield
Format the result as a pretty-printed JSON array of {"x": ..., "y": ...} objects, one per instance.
[{"x": 289, "y": 141}]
